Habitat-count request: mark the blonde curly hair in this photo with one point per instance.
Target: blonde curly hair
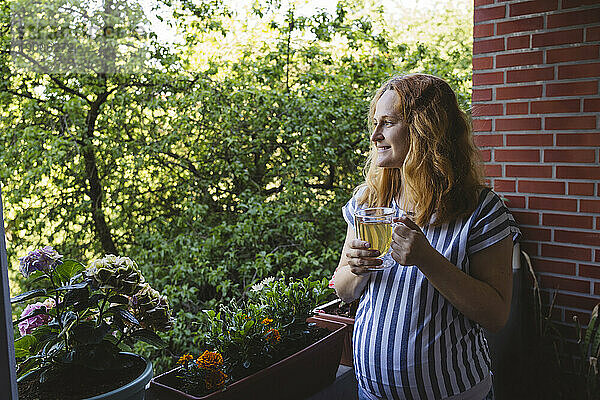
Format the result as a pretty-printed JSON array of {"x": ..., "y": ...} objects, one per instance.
[{"x": 442, "y": 171}]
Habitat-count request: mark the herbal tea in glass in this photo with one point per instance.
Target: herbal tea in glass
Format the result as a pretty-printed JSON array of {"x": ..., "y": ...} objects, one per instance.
[{"x": 374, "y": 225}]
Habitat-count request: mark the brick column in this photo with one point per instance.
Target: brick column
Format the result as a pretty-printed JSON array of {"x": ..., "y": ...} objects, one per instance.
[{"x": 536, "y": 109}]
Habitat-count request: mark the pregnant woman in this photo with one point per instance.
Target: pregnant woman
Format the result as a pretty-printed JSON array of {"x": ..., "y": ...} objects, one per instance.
[{"x": 418, "y": 332}]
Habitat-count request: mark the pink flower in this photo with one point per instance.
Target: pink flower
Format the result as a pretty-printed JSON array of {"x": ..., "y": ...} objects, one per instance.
[{"x": 28, "y": 325}]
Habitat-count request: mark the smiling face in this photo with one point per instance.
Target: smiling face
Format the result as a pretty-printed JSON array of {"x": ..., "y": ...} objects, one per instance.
[{"x": 390, "y": 134}]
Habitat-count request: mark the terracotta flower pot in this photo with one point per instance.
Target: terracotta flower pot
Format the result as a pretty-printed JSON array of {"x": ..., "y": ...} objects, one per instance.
[
  {"x": 328, "y": 311},
  {"x": 295, "y": 377}
]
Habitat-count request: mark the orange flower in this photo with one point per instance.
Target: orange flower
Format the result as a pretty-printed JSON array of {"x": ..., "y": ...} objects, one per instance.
[
  {"x": 184, "y": 359},
  {"x": 267, "y": 321},
  {"x": 273, "y": 335},
  {"x": 215, "y": 379},
  {"x": 209, "y": 359}
]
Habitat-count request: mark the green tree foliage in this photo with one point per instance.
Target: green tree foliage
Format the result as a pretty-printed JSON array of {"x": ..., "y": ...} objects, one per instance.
[{"x": 210, "y": 178}]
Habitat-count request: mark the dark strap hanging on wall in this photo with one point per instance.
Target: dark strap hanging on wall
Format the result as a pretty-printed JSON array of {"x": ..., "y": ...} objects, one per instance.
[{"x": 8, "y": 381}]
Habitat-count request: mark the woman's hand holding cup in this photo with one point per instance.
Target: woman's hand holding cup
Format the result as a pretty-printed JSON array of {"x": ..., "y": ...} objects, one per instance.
[
  {"x": 409, "y": 244},
  {"x": 361, "y": 258}
]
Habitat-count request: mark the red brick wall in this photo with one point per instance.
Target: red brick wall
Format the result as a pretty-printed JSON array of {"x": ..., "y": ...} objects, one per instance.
[{"x": 536, "y": 111}]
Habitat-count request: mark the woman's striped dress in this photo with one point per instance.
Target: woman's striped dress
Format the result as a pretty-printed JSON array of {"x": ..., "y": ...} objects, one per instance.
[{"x": 409, "y": 341}]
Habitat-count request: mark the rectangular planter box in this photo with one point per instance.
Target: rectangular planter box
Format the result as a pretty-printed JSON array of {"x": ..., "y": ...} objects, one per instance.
[
  {"x": 327, "y": 311},
  {"x": 295, "y": 377}
]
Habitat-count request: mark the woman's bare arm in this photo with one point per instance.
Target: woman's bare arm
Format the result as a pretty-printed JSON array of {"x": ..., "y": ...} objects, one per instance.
[
  {"x": 484, "y": 296},
  {"x": 352, "y": 274}
]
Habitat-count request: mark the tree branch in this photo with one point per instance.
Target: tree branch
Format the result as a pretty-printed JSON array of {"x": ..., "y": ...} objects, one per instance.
[
  {"x": 189, "y": 165},
  {"x": 94, "y": 188},
  {"x": 67, "y": 89},
  {"x": 274, "y": 190}
]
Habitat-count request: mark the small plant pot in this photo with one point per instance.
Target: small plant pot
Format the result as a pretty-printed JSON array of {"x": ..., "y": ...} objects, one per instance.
[
  {"x": 293, "y": 378},
  {"x": 328, "y": 311},
  {"x": 133, "y": 390}
]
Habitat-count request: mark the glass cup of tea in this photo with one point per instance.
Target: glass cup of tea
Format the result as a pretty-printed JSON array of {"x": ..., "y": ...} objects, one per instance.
[{"x": 374, "y": 225}]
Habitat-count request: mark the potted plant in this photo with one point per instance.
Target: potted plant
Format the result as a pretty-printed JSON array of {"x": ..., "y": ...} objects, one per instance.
[
  {"x": 337, "y": 310},
  {"x": 76, "y": 339},
  {"x": 265, "y": 348},
  {"x": 586, "y": 371}
]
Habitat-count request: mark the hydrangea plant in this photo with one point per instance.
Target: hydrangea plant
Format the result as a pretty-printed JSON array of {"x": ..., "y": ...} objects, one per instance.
[{"x": 84, "y": 315}]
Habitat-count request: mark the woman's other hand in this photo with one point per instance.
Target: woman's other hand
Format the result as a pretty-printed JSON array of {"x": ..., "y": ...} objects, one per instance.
[
  {"x": 409, "y": 244},
  {"x": 360, "y": 258},
  {"x": 352, "y": 273}
]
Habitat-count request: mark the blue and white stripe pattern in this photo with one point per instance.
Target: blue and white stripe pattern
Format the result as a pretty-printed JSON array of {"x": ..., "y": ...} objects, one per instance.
[{"x": 409, "y": 341}]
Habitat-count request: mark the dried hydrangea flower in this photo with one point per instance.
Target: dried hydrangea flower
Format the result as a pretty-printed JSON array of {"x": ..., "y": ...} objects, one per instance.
[
  {"x": 44, "y": 259},
  {"x": 119, "y": 274},
  {"x": 28, "y": 325},
  {"x": 151, "y": 309}
]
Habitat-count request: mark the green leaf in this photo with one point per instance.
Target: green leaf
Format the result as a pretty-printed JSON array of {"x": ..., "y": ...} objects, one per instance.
[
  {"x": 95, "y": 299},
  {"x": 80, "y": 285},
  {"x": 88, "y": 333},
  {"x": 589, "y": 333},
  {"x": 247, "y": 325},
  {"x": 28, "y": 366},
  {"x": 36, "y": 276},
  {"x": 78, "y": 299},
  {"x": 28, "y": 295},
  {"x": 100, "y": 332},
  {"x": 23, "y": 345},
  {"x": 68, "y": 320},
  {"x": 68, "y": 317},
  {"x": 56, "y": 348},
  {"x": 118, "y": 299},
  {"x": 595, "y": 339},
  {"x": 68, "y": 269},
  {"x": 149, "y": 337},
  {"x": 44, "y": 332},
  {"x": 123, "y": 313},
  {"x": 128, "y": 316}
]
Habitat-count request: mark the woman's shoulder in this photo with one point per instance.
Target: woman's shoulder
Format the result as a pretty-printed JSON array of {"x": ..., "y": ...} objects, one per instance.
[
  {"x": 358, "y": 196},
  {"x": 487, "y": 200},
  {"x": 487, "y": 196},
  {"x": 491, "y": 209},
  {"x": 353, "y": 204},
  {"x": 359, "y": 191},
  {"x": 491, "y": 221}
]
